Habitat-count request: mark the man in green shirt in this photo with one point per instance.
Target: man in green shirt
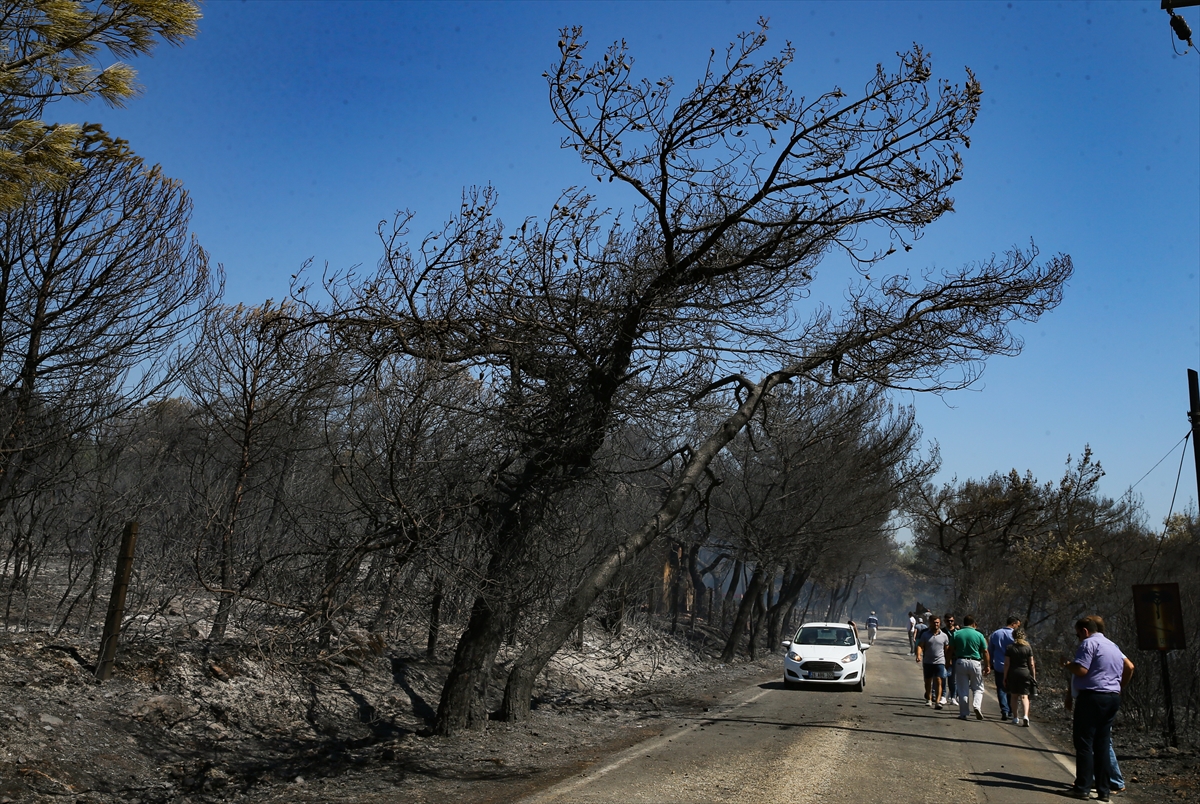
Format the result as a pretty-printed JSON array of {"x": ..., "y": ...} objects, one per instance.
[{"x": 971, "y": 664}]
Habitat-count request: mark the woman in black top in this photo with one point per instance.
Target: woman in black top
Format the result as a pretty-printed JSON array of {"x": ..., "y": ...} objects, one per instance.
[{"x": 1020, "y": 675}]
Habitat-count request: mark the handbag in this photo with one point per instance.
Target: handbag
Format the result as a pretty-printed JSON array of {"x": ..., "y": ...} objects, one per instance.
[{"x": 1033, "y": 688}]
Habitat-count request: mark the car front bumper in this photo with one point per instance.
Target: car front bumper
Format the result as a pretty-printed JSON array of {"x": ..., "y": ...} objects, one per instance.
[{"x": 817, "y": 671}]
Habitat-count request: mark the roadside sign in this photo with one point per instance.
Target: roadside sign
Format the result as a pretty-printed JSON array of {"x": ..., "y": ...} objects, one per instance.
[{"x": 1159, "y": 616}]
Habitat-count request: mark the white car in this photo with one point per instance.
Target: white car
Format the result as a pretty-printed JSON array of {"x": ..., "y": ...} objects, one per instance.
[{"x": 825, "y": 653}]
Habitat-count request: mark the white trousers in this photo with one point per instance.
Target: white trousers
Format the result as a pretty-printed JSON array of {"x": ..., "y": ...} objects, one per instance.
[{"x": 968, "y": 680}]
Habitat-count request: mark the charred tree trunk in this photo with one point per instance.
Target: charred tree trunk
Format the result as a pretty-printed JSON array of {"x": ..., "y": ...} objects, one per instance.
[
  {"x": 225, "y": 579},
  {"x": 662, "y": 601},
  {"x": 844, "y": 591},
  {"x": 612, "y": 618},
  {"x": 703, "y": 591},
  {"x": 325, "y": 630},
  {"x": 518, "y": 692},
  {"x": 735, "y": 580},
  {"x": 225, "y": 562},
  {"x": 789, "y": 618},
  {"x": 675, "y": 591},
  {"x": 760, "y": 609},
  {"x": 812, "y": 588},
  {"x": 387, "y": 596},
  {"x": 742, "y": 620},
  {"x": 464, "y": 696},
  {"x": 789, "y": 594},
  {"x": 435, "y": 620},
  {"x": 697, "y": 583}
]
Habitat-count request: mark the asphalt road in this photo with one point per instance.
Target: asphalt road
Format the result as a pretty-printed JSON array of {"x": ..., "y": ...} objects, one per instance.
[{"x": 770, "y": 744}]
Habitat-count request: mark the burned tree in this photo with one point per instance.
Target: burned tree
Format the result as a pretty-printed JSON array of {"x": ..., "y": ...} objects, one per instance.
[
  {"x": 252, "y": 383},
  {"x": 587, "y": 320},
  {"x": 100, "y": 284},
  {"x": 819, "y": 477}
]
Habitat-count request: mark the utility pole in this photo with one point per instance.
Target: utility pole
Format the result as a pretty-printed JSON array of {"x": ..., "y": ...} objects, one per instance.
[
  {"x": 1179, "y": 24},
  {"x": 1194, "y": 418}
]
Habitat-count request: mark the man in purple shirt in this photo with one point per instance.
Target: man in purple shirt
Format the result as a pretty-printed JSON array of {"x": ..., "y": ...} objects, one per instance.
[{"x": 1099, "y": 670}]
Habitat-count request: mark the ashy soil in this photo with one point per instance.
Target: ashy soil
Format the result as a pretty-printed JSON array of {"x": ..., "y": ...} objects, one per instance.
[
  {"x": 1154, "y": 771},
  {"x": 199, "y": 722},
  {"x": 202, "y": 722}
]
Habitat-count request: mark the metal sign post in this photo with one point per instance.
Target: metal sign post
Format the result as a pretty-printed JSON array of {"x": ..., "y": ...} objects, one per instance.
[{"x": 1159, "y": 615}]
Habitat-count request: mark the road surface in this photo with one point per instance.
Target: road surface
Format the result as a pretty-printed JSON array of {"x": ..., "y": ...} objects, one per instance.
[{"x": 771, "y": 744}]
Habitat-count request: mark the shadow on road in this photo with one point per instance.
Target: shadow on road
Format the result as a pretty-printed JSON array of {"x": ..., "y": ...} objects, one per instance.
[
  {"x": 891, "y": 733},
  {"x": 816, "y": 687},
  {"x": 905, "y": 701},
  {"x": 900, "y": 699},
  {"x": 1012, "y": 781}
]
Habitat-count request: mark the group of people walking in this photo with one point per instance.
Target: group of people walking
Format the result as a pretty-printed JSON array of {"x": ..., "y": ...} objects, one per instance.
[{"x": 955, "y": 660}]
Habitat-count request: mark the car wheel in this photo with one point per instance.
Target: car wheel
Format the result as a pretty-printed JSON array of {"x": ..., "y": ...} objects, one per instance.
[
  {"x": 790, "y": 685},
  {"x": 862, "y": 683}
]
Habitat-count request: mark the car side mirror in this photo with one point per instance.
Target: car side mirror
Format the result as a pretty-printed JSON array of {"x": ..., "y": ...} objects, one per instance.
[
  {"x": 864, "y": 647},
  {"x": 787, "y": 643}
]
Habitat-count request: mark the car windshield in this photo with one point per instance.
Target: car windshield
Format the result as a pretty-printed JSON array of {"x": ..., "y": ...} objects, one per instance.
[{"x": 823, "y": 635}]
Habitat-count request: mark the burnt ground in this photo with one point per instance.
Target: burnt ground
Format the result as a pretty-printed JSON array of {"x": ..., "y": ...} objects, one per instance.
[
  {"x": 1153, "y": 770},
  {"x": 201, "y": 722}
]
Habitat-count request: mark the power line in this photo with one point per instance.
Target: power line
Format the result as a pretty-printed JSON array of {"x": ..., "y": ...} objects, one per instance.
[
  {"x": 1166, "y": 522},
  {"x": 1178, "y": 475},
  {"x": 1186, "y": 436}
]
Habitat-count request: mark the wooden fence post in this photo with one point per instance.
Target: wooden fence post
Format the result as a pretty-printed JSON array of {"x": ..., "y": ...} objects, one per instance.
[{"x": 116, "y": 604}]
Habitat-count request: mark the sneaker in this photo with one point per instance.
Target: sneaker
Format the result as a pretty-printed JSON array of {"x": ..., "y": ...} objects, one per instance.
[
  {"x": 978, "y": 714},
  {"x": 1075, "y": 792},
  {"x": 1016, "y": 721},
  {"x": 1025, "y": 721},
  {"x": 942, "y": 701},
  {"x": 1102, "y": 797},
  {"x": 963, "y": 717},
  {"x": 938, "y": 705},
  {"x": 929, "y": 702}
]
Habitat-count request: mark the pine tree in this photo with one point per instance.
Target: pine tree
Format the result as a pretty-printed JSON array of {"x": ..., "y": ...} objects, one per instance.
[{"x": 53, "y": 49}]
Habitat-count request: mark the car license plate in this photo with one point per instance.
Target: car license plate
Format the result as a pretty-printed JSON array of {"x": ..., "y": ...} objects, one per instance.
[{"x": 824, "y": 676}]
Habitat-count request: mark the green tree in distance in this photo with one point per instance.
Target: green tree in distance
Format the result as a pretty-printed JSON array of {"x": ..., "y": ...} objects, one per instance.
[{"x": 51, "y": 49}]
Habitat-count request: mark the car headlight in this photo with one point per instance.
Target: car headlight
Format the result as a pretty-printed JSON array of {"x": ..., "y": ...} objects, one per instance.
[
  {"x": 795, "y": 657},
  {"x": 849, "y": 657}
]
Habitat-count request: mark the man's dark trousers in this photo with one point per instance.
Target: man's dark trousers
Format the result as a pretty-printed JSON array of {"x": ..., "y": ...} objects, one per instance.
[
  {"x": 1094, "y": 715},
  {"x": 1002, "y": 694}
]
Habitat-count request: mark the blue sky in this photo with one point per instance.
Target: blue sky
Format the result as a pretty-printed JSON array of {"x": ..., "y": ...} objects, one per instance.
[{"x": 298, "y": 126}]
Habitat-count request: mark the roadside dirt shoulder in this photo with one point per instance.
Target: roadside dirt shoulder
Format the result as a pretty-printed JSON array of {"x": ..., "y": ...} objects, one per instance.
[
  {"x": 1153, "y": 771},
  {"x": 198, "y": 722}
]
